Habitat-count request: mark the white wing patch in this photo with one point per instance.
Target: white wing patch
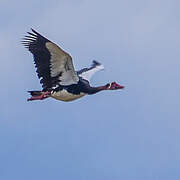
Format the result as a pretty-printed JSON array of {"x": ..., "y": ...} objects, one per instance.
[
  {"x": 87, "y": 74},
  {"x": 61, "y": 65}
]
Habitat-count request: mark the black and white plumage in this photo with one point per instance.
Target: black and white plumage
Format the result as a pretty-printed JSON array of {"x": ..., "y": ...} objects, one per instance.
[
  {"x": 87, "y": 73},
  {"x": 56, "y": 72}
]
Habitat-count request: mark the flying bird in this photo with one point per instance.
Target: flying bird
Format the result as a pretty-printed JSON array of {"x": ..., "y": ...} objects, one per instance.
[{"x": 56, "y": 72}]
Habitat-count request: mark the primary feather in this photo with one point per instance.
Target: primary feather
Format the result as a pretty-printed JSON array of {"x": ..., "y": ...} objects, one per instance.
[{"x": 54, "y": 66}]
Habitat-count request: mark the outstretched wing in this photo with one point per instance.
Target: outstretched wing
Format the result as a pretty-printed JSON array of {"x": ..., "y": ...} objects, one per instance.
[
  {"x": 87, "y": 73},
  {"x": 54, "y": 66}
]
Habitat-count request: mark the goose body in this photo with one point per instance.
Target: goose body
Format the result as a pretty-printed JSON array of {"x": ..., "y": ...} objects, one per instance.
[
  {"x": 56, "y": 72},
  {"x": 64, "y": 95}
]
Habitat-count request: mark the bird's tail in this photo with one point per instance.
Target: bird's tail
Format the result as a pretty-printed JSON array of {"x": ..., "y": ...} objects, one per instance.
[{"x": 38, "y": 95}]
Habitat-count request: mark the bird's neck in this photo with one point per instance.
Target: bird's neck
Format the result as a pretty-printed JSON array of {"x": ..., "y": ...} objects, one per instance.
[{"x": 94, "y": 90}]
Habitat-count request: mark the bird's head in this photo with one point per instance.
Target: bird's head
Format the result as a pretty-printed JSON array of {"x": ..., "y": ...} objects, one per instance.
[{"x": 114, "y": 86}]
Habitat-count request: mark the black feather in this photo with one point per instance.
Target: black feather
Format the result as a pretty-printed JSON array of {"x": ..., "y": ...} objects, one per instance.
[{"x": 36, "y": 44}]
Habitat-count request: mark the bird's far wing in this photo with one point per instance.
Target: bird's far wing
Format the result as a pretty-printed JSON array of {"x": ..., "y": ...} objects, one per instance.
[
  {"x": 87, "y": 73},
  {"x": 54, "y": 66}
]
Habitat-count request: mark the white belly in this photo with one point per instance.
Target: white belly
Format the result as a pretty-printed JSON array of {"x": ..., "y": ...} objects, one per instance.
[{"x": 66, "y": 96}]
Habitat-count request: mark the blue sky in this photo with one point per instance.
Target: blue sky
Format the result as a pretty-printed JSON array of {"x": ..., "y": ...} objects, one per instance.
[{"x": 129, "y": 134}]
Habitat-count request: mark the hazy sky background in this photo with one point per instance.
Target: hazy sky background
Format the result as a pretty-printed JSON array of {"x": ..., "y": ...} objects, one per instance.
[{"x": 129, "y": 134}]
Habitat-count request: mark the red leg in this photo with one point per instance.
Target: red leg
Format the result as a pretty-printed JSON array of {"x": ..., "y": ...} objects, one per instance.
[{"x": 44, "y": 95}]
